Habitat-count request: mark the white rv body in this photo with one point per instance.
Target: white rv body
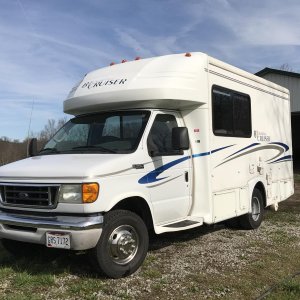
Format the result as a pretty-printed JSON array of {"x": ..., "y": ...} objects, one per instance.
[{"x": 210, "y": 182}]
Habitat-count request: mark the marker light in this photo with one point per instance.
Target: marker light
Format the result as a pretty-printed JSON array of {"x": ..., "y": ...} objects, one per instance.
[
  {"x": 124, "y": 61},
  {"x": 188, "y": 54},
  {"x": 137, "y": 58},
  {"x": 90, "y": 192},
  {"x": 112, "y": 63}
]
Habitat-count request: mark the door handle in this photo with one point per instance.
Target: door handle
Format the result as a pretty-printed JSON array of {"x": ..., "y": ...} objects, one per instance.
[{"x": 186, "y": 176}]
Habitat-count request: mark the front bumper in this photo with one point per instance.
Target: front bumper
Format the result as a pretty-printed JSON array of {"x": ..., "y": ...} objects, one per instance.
[{"x": 85, "y": 231}]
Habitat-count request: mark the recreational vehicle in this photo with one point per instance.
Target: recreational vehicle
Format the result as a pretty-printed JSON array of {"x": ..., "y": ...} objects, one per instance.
[{"x": 160, "y": 144}]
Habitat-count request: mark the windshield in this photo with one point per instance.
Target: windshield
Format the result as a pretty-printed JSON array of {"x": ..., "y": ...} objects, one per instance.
[{"x": 112, "y": 132}]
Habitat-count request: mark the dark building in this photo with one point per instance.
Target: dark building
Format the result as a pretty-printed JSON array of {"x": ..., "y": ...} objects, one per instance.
[{"x": 291, "y": 81}]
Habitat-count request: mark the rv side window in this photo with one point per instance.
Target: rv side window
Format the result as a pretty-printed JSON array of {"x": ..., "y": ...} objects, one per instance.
[
  {"x": 159, "y": 141},
  {"x": 231, "y": 113}
]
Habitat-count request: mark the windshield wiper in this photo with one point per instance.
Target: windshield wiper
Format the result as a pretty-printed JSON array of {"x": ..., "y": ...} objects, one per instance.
[
  {"x": 94, "y": 148},
  {"x": 50, "y": 150}
]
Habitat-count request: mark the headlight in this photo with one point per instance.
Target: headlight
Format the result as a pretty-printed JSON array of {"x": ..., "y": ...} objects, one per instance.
[
  {"x": 70, "y": 193},
  {"x": 78, "y": 193}
]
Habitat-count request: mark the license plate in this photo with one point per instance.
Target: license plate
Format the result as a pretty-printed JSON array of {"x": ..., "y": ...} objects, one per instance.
[{"x": 58, "y": 240}]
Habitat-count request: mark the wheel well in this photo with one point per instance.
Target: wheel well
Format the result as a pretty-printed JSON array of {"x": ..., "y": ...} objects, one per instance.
[
  {"x": 261, "y": 188},
  {"x": 139, "y": 206}
]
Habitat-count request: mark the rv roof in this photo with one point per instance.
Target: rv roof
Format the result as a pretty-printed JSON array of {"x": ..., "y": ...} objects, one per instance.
[{"x": 171, "y": 81}]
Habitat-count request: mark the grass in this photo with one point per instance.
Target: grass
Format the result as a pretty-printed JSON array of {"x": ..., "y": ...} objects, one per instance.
[
  {"x": 211, "y": 263},
  {"x": 297, "y": 177},
  {"x": 286, "y": 290}
]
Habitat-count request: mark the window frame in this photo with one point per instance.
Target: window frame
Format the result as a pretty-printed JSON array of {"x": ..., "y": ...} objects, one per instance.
[{"x": 232, "y": 94}]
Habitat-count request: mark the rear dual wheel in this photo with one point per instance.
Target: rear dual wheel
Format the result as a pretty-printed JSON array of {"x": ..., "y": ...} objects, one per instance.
[
  {"x": 123, "y": 244},
  {"x": 254, "y": 219}
]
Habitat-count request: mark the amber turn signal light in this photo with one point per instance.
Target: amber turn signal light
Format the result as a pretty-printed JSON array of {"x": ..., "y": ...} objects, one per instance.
[{"x": 90, "y": 192}]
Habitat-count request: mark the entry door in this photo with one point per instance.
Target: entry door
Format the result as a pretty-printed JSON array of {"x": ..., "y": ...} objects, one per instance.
[{"x": 170, "y": 171}]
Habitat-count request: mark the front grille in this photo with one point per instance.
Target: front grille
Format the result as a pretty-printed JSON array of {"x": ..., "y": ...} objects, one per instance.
[{"x": 35, "y": 196}]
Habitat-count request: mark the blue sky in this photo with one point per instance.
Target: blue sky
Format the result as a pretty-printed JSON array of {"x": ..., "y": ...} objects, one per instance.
[{"x": 48, "y": 46}]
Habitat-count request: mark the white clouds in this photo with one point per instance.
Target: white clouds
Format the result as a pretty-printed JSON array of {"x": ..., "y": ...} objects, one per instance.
[
  {"x": 47, "y": 46},
  {"x": 249, "y": 34},
  {"x": 270, "y": 32},
  {"x": 42, "y": 65},
  {"x": 262, "y": 27},
  {"x": 129, "y": 39},
  {"x": 273, "y": 24},
  {"x": 74, "y": 47}
]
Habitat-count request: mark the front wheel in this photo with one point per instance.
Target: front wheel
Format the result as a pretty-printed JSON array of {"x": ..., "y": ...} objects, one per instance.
[
  {"x": 123, "y": 244},
  {"x": 253, "y": 219}
]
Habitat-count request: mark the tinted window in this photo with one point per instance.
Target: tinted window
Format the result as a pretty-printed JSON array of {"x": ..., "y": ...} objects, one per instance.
[
  {"x": 160, "y": 137},
  {"x": 231, "y": 113},
  {"x": 111, "y": 132}
]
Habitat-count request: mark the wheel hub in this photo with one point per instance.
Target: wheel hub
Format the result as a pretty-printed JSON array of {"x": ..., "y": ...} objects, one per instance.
[
  {"x": 123, "y": 244},
  {"x": 255, "y": 209}
]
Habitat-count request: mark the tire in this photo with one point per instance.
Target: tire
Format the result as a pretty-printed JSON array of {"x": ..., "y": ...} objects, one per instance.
[
  {"x": 22, "y": 249},
  {"x": 114, "y": 259},
  {"x": 253, "y": 219}
]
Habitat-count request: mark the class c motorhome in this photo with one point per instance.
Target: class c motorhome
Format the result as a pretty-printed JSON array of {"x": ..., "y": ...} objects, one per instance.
[{"x": 165, "y": 144}]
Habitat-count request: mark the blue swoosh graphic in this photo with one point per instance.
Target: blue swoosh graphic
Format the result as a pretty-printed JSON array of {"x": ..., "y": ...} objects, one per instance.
[
  {"x": 152, "y": 176},
  {"x": 249, "y": 146},
  {"x": 285, "y": 146},
  {"x": 216, "y": 150},
  {"x": 285, "y": 158}
]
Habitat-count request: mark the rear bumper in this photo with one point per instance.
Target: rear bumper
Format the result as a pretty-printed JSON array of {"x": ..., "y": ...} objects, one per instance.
[{"x": 85, "y": 231}]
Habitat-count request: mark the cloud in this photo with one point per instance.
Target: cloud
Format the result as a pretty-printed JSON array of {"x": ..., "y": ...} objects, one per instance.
[
  {"x": 129, "y": 39},
  {"x": 264, "y": 26},
  {"x": 37, "y": 64},
  {"x": 47, "y": 46}
]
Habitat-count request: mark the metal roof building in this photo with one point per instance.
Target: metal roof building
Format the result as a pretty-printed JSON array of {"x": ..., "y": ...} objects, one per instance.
[{"x": 291, "y": 81}]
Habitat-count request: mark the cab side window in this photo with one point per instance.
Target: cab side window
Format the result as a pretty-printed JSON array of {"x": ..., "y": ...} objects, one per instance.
[{"x": 159, "y": 141}]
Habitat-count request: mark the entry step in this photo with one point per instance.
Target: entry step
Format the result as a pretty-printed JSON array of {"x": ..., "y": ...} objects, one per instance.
[{"x": 187, "y": 223}]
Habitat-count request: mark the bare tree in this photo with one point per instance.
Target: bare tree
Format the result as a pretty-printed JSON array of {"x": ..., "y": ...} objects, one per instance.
[
  {"x": 4, "y": 139},
  {"x": 12, "y": 150},
  {"x": 286, "y": 67},
  {"x": 50, "y": 129}
]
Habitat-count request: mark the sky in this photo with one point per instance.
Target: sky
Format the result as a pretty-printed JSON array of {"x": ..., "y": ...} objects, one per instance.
[{"x": 47, "y": 46}]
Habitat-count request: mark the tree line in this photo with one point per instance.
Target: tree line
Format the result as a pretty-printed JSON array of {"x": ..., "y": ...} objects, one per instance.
[{"x": 13, "y": 150}]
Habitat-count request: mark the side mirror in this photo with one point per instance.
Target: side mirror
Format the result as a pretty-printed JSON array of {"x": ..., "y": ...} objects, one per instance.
[
  {"x": 32, "y": 148},
  {"x": 180, "y": 138}
]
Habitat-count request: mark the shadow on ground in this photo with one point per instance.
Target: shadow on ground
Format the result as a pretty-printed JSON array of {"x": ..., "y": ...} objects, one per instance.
[{"x": 54, "y": 262}]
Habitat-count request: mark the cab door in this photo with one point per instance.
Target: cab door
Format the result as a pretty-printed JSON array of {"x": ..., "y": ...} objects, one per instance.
[{"x": 169, "y": 171}]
